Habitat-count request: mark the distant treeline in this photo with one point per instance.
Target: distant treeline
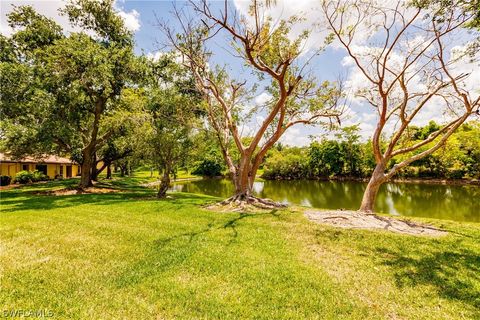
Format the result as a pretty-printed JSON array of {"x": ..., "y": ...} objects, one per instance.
[{"x": 347, "y": 157}]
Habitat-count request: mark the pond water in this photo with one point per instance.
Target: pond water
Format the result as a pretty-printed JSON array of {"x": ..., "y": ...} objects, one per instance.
[{"x": 452, "y": 202}]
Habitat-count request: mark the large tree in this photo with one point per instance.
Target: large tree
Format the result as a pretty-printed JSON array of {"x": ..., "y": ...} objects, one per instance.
[
  {"x": 274, "y": 60},
  {"x": 409, "y": 64},
  {"x": 173, "y": 110},
  {"x": 73, "y": 82}
]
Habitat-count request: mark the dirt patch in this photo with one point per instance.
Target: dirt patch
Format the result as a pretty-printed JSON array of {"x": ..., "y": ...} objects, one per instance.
[
  {"x": 10, "y": 186},
  {"x": 357, "y": 220},
  {"x": 67, "y": 192}
]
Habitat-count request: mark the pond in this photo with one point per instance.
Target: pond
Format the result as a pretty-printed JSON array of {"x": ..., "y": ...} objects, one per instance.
[{"x": 452, "y": 202}]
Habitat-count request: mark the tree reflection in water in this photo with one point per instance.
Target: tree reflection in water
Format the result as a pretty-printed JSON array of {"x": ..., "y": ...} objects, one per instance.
[{"x": 423, "y": 200}]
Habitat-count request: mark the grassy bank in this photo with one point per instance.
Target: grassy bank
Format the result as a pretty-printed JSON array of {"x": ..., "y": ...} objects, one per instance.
[{"x": 129, "y": 256}]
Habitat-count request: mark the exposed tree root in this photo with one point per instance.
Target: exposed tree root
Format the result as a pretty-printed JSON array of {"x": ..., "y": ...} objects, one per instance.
[
  {"x": 245, "y": 203},
  {"x": 359, "y": 220}
]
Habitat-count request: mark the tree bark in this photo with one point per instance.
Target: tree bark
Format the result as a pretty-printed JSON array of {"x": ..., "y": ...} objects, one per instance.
[
  {"x": 165, "y": 183},
  {"x": 94, "y": 174},
  {"x": 244, "y": 178},
  {"x": 86, "y": 179},
  {"x": 109, "y": 171},
  {"x": 370, "y": 193},
  {"x": 123, "y": 170}
]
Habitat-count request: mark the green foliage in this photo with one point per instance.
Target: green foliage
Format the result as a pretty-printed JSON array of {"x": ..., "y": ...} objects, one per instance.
[
  {"x": 39, "y": 176},
  {"x": 286, "y": 164},
  {"x": 172, "y": 109},
  {"x": 100, "y": 17},
  {"x": 208, "y": 167},
  {"x": 5, "y": 180},
  {"x": 182, "y": 261},
  {"x": 423, "y": 133},
  {"x": 24, "y": 176},
  {"x": 326, "y": 158},
  {"x": 458, "y": 158},
  {"x": 63, "y": 94},
  {"x": 33, "y": 31},
  {"x": 348, "y": 157},
  {"x": 211, "y": 165}
]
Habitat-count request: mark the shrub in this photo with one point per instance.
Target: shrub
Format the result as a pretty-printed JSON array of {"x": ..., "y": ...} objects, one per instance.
[
  {"x": 5, "y": 180},
  {"x": 24, "y": 177},
  {"x": 455, "y": 173},
  {"x": 290, "y": 163},
  {"x": 39, "y": 176},
  {"x": 210, "y": 165},
  {"x": 208, "y": 168},
  {"x": 27, "y": 177}
]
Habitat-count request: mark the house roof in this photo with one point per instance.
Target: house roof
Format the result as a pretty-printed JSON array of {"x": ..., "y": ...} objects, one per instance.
[{"x": 40, "y": 159}]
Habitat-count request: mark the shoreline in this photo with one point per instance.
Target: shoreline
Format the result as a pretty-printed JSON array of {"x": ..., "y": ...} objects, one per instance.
[{"x": 473, "y": 182}]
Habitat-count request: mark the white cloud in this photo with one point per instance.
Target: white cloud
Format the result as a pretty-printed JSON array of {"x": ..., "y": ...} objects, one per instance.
[
  {"x": 263, "y": 98},
  {"x": 47, "y": 8},
  {"x": 307, "y": 10},
  {"x": 295, "y": 137},
  {"x": 347, "y": 61},
  {"x": 131, "y": 19},
  {"x": 50, "y": 9}
]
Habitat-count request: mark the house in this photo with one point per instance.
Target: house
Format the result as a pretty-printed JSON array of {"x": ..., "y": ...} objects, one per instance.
[{"x": 52, "y": 166}]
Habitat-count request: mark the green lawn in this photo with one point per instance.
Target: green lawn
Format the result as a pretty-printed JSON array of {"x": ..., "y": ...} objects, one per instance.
[
  {"x": 129, "y": 256},
  {"x": 147, "y": 175}
]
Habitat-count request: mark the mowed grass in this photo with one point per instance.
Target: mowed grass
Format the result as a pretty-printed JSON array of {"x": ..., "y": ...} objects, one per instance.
[
  {"x": 129, "y": 256},
  {"x": 147, "y": 175}
]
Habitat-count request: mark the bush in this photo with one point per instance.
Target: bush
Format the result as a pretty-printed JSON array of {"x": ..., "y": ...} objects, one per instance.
[
  {"x": 5, "y": 180},
  {"x": 290, "y": 163},
  {"x": 39, "y": 176},
  {"x": 455, "y": 173},
  {"x": 208, "y": 168},
  {"x": 24, "y": 177},
  {"x": 210, "y": 165}
]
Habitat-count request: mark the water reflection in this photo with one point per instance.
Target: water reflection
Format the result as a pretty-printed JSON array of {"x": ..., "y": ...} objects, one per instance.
[{"x": 423, "y": 200}]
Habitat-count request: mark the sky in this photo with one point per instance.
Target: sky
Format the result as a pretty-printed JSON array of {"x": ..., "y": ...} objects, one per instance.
[{"x": 142, "y": 17}]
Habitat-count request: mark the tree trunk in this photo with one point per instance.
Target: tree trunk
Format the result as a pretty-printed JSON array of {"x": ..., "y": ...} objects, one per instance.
[
  {"x": 123, "y": 169},
  {"x": 86, "y": 179},
  {"x": 243, "y": 179},
  {"x": 94, "y": 174},
  {"x": 164, "y": 184},
  {"x": 109, "y": 171},
  {"x": 370, "y": 193}
]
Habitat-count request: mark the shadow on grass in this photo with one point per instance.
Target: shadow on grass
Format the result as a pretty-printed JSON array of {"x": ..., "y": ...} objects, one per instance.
[
  {"x": 171, "y": 252},
  {"x": 230, "y": 224},
  {"x": 24, "y": 201},
  {"x": 455, "y": 275},
  {"x": 29, "y": 197}
]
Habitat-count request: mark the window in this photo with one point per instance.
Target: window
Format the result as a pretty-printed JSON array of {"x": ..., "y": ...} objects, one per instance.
[
  {"x": 61, "y": 170},
  {"x": 25, "y": 167},
  {"x": 41, "y": 168}
]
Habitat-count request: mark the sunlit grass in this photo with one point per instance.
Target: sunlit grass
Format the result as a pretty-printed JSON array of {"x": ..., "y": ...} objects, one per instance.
[{"x": 128, "y": 255}]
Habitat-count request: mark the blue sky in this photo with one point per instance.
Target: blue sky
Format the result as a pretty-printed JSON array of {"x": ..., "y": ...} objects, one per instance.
[
  {"x": 327, "y": 66},
  {"x": 141, "y": 17}
]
